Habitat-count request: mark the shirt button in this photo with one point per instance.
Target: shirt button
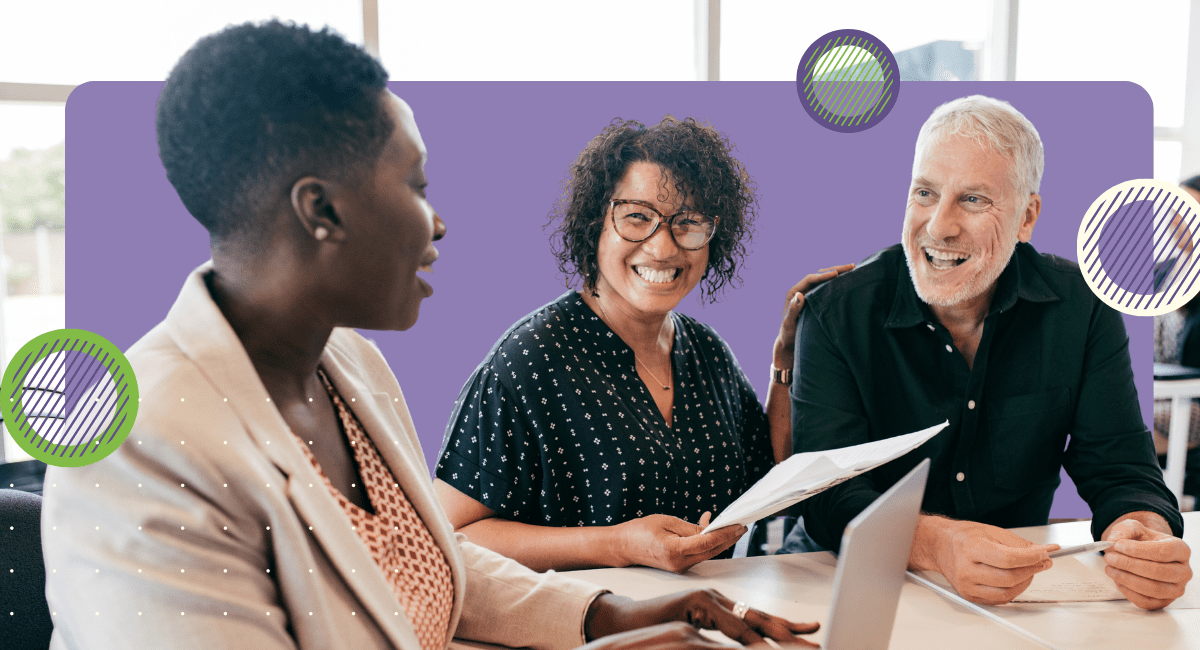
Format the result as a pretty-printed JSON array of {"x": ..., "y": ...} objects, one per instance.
[
  {"x": 949, "y": 349},
  {"x": 961, "y": 476},
  {"x": 931, "y": 327},
  {"x": 971, "y": 404}
]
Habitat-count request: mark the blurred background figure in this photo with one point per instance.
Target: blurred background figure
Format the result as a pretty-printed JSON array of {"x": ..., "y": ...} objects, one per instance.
[{"x": 1177, "y": 340}]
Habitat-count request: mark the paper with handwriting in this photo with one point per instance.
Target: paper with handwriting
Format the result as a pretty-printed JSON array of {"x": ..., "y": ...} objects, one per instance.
[{"x": 1069, "y": 581}]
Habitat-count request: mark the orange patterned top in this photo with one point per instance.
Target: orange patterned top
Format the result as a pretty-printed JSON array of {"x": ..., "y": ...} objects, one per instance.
[{"x": 397, "y": 539}]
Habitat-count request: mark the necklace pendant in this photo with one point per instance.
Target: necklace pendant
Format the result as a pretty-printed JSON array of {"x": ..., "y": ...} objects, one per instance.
[{"x": 666, "y": 388}]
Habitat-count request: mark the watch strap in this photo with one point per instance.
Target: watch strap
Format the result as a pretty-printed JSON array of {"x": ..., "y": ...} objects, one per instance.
[{"x": 781, "y": 376}]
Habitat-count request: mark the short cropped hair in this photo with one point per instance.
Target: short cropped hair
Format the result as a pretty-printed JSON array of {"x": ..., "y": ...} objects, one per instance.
[
  {"x": 1192, "y": 183},
  {"x": 700, "y": 161},
  {"x": 251, "y": 109},
  {"x": 993, "y": 123}
]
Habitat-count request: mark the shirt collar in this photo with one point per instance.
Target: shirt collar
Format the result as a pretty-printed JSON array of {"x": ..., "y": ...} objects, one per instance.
[
  {"x": 604, "y": 338},
  {"x": 1019, "y": 280}
]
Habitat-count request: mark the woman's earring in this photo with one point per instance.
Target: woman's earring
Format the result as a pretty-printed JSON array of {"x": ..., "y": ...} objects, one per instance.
[{"x": 320, "y": 233}]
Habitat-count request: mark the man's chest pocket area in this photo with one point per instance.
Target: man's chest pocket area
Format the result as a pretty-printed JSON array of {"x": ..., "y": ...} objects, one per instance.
[{"x": 1027, "y": 434}]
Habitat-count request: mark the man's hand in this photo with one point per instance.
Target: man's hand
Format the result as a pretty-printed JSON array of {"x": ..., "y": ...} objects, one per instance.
[
  {"x": 670, "y": 543},
  {"x": 638, "y": 624},
  {"x": 1149, "y": 567},
  {"x": 985, "y": 564}
]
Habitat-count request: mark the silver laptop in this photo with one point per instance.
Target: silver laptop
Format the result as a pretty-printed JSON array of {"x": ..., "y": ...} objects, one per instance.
[{"x": 871, "y": 566}]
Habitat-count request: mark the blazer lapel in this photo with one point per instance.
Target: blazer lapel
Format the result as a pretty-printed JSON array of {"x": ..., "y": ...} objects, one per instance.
[
  {"x": 386, "y": 420},
  {"x": 199, "y": 328}
]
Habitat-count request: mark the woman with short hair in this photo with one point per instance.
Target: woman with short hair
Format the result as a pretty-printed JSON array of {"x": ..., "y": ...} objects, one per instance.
[{"x": 272, "y": 493}]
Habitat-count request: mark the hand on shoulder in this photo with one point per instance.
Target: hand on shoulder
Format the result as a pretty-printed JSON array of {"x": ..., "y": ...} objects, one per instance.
[{"x": 785, "y": 343}]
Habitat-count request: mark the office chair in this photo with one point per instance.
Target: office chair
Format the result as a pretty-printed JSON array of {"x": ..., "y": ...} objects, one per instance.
[
  {"x": 23, "y": 606},
  {"x": 23, "y": 475}
]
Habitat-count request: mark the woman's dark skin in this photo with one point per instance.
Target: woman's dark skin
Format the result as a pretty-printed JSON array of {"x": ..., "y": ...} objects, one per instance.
[
  {"x": 284, "y": 299},
  {"x": 345, "y": 253}
]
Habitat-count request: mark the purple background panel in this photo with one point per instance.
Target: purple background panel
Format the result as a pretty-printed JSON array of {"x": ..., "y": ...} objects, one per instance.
[{"x": 497, "y": 155}]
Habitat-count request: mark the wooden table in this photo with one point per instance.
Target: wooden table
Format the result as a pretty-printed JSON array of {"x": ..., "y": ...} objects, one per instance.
[{"x": 799, "y": 587}]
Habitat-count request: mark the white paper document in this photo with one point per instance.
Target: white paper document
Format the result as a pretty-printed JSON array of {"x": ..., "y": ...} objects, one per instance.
[
  {"x": 1069, "y": 580},
  {"x": 810, "y": 473}
]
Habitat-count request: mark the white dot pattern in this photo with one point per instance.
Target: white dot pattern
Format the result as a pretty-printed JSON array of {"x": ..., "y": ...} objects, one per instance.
[
  {"x": 399, "y": 542},
  {"x": 556, "y": 428}
]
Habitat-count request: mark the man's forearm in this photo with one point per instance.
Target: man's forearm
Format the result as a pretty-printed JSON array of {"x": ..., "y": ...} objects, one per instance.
[{"x": 931, "y": 529}]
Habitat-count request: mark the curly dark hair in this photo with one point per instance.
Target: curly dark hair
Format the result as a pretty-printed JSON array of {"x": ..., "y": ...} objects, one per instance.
[
  {"x": 249, "y": 110},
  {"x": 695, "y": 155}
]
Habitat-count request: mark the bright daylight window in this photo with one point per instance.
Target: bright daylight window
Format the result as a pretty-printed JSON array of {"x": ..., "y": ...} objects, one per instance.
[
  {"x": 136, "y": 40},
  {"x": 763, "y": 40},
  {"x": 624, "y": 40},
  {"x": 1079, "y": 39},
  {"x": 33, "y": 260}
]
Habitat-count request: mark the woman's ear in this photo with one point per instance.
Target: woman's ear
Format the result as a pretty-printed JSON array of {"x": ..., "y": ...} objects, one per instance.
[{"x": 312, "y": 206}]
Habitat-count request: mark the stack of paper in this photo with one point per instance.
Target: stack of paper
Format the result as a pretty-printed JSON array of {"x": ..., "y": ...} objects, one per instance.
[{"x": 813, "y": 472}]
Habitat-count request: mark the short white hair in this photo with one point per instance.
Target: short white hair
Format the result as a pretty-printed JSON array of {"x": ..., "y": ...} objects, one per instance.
[{"x": 993, "y": 123}]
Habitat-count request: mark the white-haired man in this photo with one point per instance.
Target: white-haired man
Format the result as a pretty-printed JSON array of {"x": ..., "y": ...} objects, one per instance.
[{"x": 965, "y": 321}]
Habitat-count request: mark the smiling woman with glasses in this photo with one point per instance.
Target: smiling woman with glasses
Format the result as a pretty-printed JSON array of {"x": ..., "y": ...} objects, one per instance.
[{"x": 605, "y": 429}]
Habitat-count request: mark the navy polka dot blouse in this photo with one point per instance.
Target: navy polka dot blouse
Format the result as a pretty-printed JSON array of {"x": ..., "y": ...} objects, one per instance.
[{"x": 555, "y": 428}]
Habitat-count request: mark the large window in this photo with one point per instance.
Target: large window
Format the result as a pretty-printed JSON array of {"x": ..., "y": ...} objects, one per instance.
[
  {"x": 70, "y": 42},
  {"x": 537, "y": 40},
  {"x": 1080, "y": 40},
  {"x": 33, "y": 253},
  {"x": 764, "y": 39}
]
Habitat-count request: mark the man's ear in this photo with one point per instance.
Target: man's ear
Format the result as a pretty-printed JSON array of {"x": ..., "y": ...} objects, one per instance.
[
  {"x": 1029, "y": 218},
  {"x": 312, "y": 206}
]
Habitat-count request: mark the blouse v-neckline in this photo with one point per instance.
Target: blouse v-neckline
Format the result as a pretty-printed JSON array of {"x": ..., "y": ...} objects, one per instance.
[
  {"x": 647, "y": 391},
  {"x": 402, "y": 546}
]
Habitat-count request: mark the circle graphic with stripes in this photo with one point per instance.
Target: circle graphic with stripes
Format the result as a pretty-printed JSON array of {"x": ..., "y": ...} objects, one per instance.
[
  {"x": 1139, "y": 247},
  {"x": 848, "y": 81},
  {"x": 69, "y": 397}
]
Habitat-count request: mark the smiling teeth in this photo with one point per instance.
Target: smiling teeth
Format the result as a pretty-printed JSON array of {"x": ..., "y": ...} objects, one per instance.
[
  {"x": 656, "y": 277},
  {"x": 945, "y": 260},
  {"x": 939, "y": 255}
]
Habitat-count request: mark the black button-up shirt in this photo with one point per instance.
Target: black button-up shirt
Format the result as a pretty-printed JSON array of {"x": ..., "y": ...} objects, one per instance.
[{"x": 1052, "y": 386}]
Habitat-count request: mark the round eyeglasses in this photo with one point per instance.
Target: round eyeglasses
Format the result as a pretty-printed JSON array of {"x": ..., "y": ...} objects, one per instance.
[{"x": 637, "y": 221}]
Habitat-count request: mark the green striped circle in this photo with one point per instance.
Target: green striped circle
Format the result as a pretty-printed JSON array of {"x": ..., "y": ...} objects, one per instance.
[
  {"x": 846, "y": 81},
  {"x": 69, "y": 397}
]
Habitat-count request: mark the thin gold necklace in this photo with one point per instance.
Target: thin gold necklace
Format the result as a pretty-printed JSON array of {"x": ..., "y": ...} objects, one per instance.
[
  {"x": 664, "y": 387},
  {"x": 635, "y": 356}
]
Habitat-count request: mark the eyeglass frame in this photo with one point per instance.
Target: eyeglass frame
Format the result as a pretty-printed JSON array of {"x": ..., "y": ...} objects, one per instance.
[{"x": 612, "y": 208}]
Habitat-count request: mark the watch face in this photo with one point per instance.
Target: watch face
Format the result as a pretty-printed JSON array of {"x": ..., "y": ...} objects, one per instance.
[
  {"x": 69, "y": 398},
  {"x": 1138, "y": 247},
  {"x": 848, "y": 81}
]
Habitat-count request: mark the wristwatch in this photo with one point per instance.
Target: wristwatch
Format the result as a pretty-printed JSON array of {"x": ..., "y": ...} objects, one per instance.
[{"x": 781, "y": 376}]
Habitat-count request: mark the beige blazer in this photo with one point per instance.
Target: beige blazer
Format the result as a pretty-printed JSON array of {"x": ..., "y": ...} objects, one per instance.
[{"x": 209, "y": 528}]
